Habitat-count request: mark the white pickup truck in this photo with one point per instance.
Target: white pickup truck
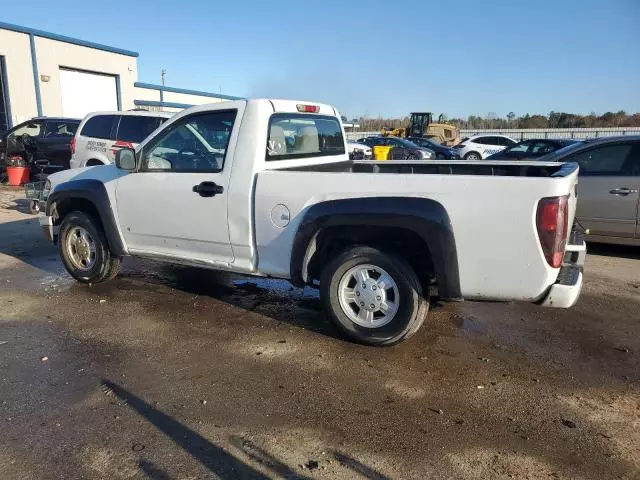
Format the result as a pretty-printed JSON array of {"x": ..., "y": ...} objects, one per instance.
[{"x": 265, "y": 188}]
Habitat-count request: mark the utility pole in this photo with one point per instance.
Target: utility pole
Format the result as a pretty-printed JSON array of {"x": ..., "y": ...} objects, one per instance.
[{"x": 162, "y": 74}]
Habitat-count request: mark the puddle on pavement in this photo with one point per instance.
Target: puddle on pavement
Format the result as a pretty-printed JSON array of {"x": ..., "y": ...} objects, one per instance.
[
  {"x": 277, "y": 286},
  {"x": 248, "y": 292},
  {"x": 467, "y": 323}
]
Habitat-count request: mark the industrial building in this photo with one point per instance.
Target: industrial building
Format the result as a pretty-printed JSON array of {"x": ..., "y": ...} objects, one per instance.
[{"x": 45, "y": 74}]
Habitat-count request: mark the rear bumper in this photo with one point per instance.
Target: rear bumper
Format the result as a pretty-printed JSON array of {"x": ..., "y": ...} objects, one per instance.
[{"x": 565, "y": 291}]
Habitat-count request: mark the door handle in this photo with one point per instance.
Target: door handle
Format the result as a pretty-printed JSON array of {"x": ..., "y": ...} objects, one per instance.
[
  {"x": 208, "y": 189},
  {"x": 623, "y": 191}
]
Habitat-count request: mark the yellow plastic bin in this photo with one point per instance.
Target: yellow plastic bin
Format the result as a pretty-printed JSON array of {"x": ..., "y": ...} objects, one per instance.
[{"x": 381, "y": 152}]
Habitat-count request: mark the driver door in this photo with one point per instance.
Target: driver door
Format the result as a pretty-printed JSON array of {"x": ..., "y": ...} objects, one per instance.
[{"x": 175, "y": 205}]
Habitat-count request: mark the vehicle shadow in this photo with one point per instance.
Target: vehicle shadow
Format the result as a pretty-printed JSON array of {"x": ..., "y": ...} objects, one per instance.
[
  {"x": 23, "y": 240},
  {"x": 276, "y": 299},
  {"x": 213, "y": 457},
  {"x": 359, "y": 467},
  {"x": 20, "y": 205},
  {"x": 611, "y": 250},
  {"x": 152, "y": 471}
]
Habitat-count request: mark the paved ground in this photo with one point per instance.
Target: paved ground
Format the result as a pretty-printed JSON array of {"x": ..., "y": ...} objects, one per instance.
[{"x": 170, "y": 373}]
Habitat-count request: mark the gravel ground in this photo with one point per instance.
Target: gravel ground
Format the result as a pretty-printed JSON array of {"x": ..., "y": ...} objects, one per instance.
[{"x": 174, "y": 373}]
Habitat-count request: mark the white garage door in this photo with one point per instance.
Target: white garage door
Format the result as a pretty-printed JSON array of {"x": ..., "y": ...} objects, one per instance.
[{"x": 84, "y": 92}]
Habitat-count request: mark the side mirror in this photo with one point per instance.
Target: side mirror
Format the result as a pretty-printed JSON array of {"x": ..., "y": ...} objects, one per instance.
[{"x": 126, "y": 159}]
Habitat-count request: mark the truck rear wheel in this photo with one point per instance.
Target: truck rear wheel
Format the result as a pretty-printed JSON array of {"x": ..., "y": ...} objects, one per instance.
[
  {"x": 84, "y": 250},
  {"x": 372, "y": 296}
]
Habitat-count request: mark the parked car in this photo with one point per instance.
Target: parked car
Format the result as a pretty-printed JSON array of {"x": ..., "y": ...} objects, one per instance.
[
  {"x": 359, "y": 151},
  {"x": 375, "y": 236},
  {"x": 41, "y": 138},
  {"x": 608, "y": 188},
  {"x": 532, "y": 148},
  {"x": 402, "y": 149},
  {"x": 102, "y": 134},
  {"x": 480, "y": 147},
  {"x": 442, "y": 151}
]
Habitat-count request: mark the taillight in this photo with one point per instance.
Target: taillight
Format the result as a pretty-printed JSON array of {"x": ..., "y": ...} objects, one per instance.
[
  {"x": 551, "y": 220},
  {"x": 72, "y": 145}
]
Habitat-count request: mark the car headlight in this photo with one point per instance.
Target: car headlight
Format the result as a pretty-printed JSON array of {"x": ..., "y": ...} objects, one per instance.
[
  {"x": 427, "y": 155},
  {"x": 46, "y": 190}
]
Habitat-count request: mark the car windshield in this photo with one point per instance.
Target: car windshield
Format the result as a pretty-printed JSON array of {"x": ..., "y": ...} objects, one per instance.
[
  {"x": 406, "y": 143},
  {"x": 434, "y": 140},
  {"x": 423, "y": 142}
]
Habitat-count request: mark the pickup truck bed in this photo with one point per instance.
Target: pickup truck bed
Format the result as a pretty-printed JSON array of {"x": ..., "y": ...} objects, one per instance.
[{"x": 475, "y": 202}]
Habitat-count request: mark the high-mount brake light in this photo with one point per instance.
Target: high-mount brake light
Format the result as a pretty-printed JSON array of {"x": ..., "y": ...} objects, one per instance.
[{"x": 308, "y": 108}]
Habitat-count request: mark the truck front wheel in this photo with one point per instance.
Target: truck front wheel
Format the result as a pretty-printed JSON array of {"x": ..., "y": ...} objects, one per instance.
[
  {"x": 372, "y": 296},
  {"x": 84, "y": 249}
]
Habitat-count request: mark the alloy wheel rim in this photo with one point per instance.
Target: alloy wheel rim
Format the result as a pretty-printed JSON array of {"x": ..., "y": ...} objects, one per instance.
[{"x": 368, "y": 296}]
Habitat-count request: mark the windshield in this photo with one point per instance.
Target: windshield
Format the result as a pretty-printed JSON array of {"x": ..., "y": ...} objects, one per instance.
[
  {"x": 424, "y": 142},
  {"x": 405, "y": 143},
  {"x": 435, "y": 140}
]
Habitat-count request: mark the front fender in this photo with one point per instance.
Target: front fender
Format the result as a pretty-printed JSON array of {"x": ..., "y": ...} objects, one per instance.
[{"x": 94, "y": 192}]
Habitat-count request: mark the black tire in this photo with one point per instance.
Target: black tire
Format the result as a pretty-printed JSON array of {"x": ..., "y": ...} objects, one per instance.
[
  {"x": 105, "y": 265},
  {"x": 412, "y": 310},
  {"x": 473, "y": 156},
  {"x": 412, "y": 156}
]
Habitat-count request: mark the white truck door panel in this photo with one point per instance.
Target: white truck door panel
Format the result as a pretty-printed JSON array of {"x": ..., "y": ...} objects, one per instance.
[{"x": 176, "y": 204}]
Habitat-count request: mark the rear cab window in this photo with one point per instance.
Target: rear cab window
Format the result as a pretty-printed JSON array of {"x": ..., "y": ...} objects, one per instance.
[
  {"x": 300, "y": 135},
  {"x": 99, "y": 126}
]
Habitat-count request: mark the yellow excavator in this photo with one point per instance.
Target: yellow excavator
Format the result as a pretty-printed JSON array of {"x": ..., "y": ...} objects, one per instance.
[{"x": 421, "y": 125}]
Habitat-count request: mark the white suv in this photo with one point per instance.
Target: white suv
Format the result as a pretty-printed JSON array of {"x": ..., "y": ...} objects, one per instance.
[
  {"x": 480, "y": 147},
  {"x": 101, "y": 134}
]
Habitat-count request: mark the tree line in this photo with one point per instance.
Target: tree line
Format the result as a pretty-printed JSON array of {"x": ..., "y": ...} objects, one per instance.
[{"x": 491, "y": 120}]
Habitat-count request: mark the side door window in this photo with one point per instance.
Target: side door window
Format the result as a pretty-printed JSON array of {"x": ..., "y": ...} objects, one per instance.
[
  {"x": 54, "y": 144},
  {"x": 99, "y": 126},
  {"x": 197, "y": 143},
  {"x": 60, "y": 129},
  {"x": 484, "y": 140},
  {"x": 135, "y": 128},
  {"x": 608, "y": 160},
  {"x": 504, "y": 141}
]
